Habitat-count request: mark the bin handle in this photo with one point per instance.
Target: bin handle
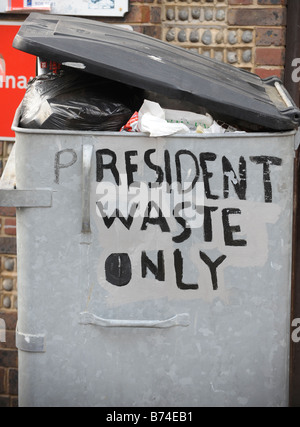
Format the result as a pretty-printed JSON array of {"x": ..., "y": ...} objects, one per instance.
[
  {"x": 87, "y": 152},
  {"x": 182, "y": 319},
  {"x": 283, "y": 94},
  {"x": 11, "y": 197}
]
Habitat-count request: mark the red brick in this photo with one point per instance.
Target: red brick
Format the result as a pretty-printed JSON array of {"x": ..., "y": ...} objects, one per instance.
[
  {"x": 10, "y": 319},
  {"x": 2, "y": 380},
  {"x": 155, "y": 15},
  {"x": 268, "y": 72},
  {"x": 138, "y": 14},
  {"x": 14, "y": 402},
  {"x": 240, "y": 2},
  {"x": 9, "y": 358},
  {"x": 7, "y": 211},
  {"x": 266, "y": 56},
  {"x": 271, "y": 2},
  {"x": 4, "y": 402},
  {"x": 13, "y": 382},
  {"x": 149, "y": 30},
  {"x": 8, "y": 245},
  {"x": 270, "y": 37},
  {"x": 10, "y": 226},
  {"x": 257, "y": 17},
  {"x": 10, "y": 340}
]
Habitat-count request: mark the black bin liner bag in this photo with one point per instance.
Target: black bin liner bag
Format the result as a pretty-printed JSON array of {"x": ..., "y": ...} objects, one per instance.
[{"x": 72, "y": 100}]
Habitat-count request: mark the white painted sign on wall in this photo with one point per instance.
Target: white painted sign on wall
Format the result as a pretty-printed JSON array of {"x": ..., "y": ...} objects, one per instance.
[{"x": 68, "y": 7}]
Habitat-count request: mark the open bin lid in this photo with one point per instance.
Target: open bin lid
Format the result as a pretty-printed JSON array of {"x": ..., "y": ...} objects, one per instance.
[{"x": 230, "y": 94}]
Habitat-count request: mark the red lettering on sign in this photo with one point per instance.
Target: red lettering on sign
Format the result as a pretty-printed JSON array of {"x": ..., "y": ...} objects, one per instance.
[{"x": 16, "y": 68}]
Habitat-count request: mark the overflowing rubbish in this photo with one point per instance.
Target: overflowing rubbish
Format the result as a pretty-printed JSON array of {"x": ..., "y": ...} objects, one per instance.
[
  {"x": 72, "y": 101},
  {"x": 68, "y": 100},
  {"x": 229, "y": 94},
  {"x": 157, "y": 121}
]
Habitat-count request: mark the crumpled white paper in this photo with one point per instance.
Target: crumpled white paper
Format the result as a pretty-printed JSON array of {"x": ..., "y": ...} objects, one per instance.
[
  {"x": 152, "y": 119},
  {"x": 214, "y": 128}
]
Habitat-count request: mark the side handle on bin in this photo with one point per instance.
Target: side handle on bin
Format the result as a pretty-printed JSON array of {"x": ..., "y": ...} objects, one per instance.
[
  {"x": 27, "y": 198},
  {"x": 284, "y": 95},
  {"x": 87, "y": 152},
  {"x": 282, "y": 99},
  {"x": 182, "y": 319}
]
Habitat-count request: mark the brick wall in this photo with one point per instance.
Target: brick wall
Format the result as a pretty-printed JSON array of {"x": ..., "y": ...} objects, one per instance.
[
  {"x": 245, "y": 33},
  {"x": 249, "y": 34},
  {"x": 8, "y": 297},
  {"x": 8, "y": 360},
  {"x": 144, "y": 16}
]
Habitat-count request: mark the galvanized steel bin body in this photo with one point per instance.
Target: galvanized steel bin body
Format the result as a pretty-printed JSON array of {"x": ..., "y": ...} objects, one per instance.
[{"x": 145, "y": 309}]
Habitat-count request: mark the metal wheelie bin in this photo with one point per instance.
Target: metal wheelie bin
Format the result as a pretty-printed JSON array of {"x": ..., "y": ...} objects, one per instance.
[{"x": 134, "y": 291}]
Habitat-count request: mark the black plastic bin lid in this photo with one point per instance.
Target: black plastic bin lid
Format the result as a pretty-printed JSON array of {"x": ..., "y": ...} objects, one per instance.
[{"x": 228, "y": 93}]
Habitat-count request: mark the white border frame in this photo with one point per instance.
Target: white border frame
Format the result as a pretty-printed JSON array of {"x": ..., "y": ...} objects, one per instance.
[{"x": 78, "y": 7}]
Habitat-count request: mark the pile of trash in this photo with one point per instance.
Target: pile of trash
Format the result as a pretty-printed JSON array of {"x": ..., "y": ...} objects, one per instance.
[
  {"x": 73, "y": 100},
  {"x": 156, "y": 121}
]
